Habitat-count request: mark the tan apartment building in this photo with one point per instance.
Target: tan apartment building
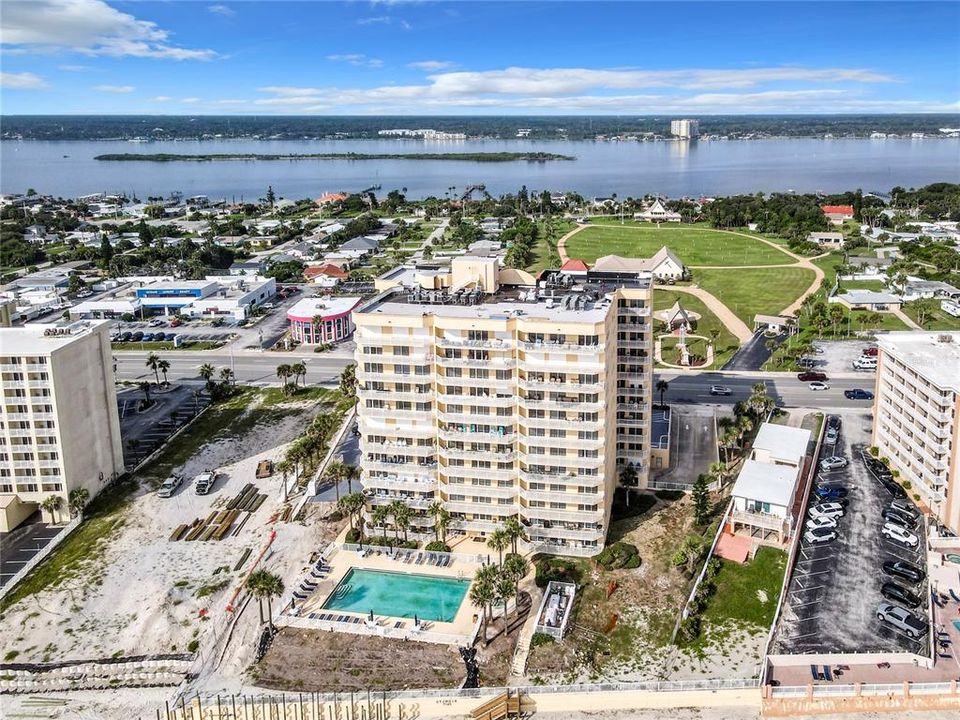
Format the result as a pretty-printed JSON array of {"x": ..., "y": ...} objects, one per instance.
[
  {"x": 499, "y": 396},
  {"x": 917, "y": 416},
  {"x": 59, "y": 426}
]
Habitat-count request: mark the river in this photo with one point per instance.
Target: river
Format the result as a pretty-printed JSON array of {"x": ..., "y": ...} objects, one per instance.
[{"x": 67, "y": 168}]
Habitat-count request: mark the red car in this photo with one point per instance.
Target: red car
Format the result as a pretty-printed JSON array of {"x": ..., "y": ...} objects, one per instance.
[
  {"x": 871, "y": 351},
  {"x": 812, "y": 376}
]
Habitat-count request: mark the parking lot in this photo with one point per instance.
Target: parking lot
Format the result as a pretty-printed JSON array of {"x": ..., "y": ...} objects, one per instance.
[
  {"x": 832, "y": 598},
  {"x": 144, "y": 432},
  {"x": 21, "y": 544},
  {"x": 838, "y": 358}
]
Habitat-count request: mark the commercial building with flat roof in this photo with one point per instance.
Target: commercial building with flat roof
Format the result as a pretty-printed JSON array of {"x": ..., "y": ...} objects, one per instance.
[
  {"x": 315, "y": 321},
  {"x": 916, "y": 412},
  {"x": 60, "y": 426},
  {"x": 500, "y": 399}
]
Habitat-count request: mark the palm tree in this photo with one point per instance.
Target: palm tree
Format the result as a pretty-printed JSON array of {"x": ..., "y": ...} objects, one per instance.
[
  {"x": 720, "y": 471},
  {"x": 351, "y": 504},
  {"x": 264, "y": 584},
  {"x": 499, "y": 540},
  {"x": 164, "y": 365},
  {"x": 514, "y": 530},
  {"x": 714, "y": 336},
  {"x": 78, "y": 499},
  {"x": 316, "y": 325},
  {"x": 283, "y": 372},
  {"x": 442, "y": 523},
  {"x": 401, "y": 518},
  {"x": 434, "y": 512},
  {"x": 226, "y": 376},
  {"x": 483, "y": 593},
  {"x": 744, "y": 426},
  {"x": 379, "y": 515},
  {"x": 505, "y": 589},
  {"x": 516, "y": 568},
  {"x": 153, "y": 362},
  {"x": 348, "y": 381},
  {"x": 206, "y": 372},
  {"x": 662, "y": 386},
  {"x": 145, "y": 389},
  {"x": 52, "y": 505},
  {"x": 299, "y": 370}
]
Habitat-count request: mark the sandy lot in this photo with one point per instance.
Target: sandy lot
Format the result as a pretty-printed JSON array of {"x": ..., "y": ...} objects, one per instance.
[{"x": 146, "y": 594}]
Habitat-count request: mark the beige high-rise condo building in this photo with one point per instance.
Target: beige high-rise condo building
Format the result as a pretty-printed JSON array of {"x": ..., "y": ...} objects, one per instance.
[
  {"x": 499, "y": 396},
  {"x": 685, "y": 129},
  {"x": 917, "y": 416},
  {"x": 60, "y": 426}
]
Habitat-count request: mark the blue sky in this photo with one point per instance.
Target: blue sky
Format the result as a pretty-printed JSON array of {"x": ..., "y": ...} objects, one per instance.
[{"x": 394, "y": 57}]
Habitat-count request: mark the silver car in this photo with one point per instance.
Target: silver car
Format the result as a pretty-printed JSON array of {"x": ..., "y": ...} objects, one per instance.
[{"x": 902, "y": 619}]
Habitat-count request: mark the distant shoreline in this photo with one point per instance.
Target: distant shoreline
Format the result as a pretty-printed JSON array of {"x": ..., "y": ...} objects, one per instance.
[{"x": 219, "y": 157}]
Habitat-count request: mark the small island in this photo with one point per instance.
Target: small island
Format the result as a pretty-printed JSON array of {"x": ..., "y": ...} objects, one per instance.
[{"x": 469, "y": 157}]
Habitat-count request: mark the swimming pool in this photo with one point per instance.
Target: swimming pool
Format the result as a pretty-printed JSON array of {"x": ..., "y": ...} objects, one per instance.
[{"x": 398, "y": 594}]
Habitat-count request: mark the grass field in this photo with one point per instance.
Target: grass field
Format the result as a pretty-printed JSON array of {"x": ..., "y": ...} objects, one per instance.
[
  {"x": 726, "y": 342},
  {"x": 935, "y": 320},
  {"x": 759, "y": 290},
  {"x": 748, "y": 593},
  {"x": 694, "y": 244}
]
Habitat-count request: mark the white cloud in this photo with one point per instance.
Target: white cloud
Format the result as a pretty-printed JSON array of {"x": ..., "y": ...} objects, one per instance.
[
  {"x": 356, "y": 59},
  {"x": 21, "y": 81},
  {"x": 118, "y": 89},
  {"x": 224, "y": 10},
  {"x": 405, "y": 25},
  {"x": 161, "y": 98},
  {"x": 432, "y": 65},
  {"x": 376, "y": 20},
  {"x": 90, "y": 27},
  {"x": 190, "y": 100},
  {"x": 73, "y": 68}
]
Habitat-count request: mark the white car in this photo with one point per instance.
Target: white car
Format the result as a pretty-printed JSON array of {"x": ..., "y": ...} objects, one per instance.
[
  {"x": 827, "y": 510},
  {"x": 899, "y": 534},
  {"x": 819, "y": 535},
  {"x": 818, "y": 386},
  {"x": 834, "y": 462},
  {"x": 720, "y": 390},
  {"x": 170, "y": 486},
  {"x": 821, "y": 522}
]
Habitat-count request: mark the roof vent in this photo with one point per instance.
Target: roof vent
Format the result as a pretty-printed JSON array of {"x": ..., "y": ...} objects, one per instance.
[{"x": 945, "y": 338}]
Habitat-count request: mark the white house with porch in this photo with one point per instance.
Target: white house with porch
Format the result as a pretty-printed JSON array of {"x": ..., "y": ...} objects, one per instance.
[{"x": 658, "y": 213}]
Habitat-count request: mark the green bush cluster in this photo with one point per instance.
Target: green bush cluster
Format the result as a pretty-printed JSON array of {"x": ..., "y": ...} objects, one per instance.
[
  {"x": 619, "y": 556},
  {"x": 691, "y": 625},
  {"x": 539, "y": 639},
  {"x": 556, "y": 569},
  {"x": 437, "y": 546}
]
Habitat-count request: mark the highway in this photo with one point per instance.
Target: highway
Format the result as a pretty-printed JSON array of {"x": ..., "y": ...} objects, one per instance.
[{"x": 259, "y": 368}]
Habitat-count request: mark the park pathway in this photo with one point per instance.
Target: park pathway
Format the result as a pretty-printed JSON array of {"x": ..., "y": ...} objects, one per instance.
[
  {"x": 734, "y": 324},
  {"x": 905, "y": 319}
]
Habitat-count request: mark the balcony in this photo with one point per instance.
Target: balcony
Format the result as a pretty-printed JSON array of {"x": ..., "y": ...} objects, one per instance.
[
  {"x": 475, "y": 472},
  {"x": 398, "y": 414},
  {"x": 21, "y": 432},
  {"x": 488, "y": 455},
  {"x": 413, "y": 468},
  {"x": 563, "y": 405},
  {"x": 497, "y": 363},
  {"x": 12, "y": 367},
  {"x": 471, "y": 418},
  {"x": 569, "y": 515},
  {"x": 410, "y": 502},
  {"x": 399, "y": 448},
  {"x": 373, "y": 426},
  {"x": 386, "y": 376},
  {"x": 459, "y": 342},
  {"x": 546, "y": 441},
  {"x": 570, "y": 424},
  {"x": 410, "y": 484},
  {"x": 481, "y": 400},
  {"x": 538, "y": 531},
  {"x": 13, "y": 384},
  {"x": 384, "y": 340},
  {"x": 23, "y": 463},
  {"x": 544, "y": 364},
  {"x": 486, "y": 491},
  {"x": 565, "y": 461},
  {"x": 558, "y": 496},
  {"x": 507, "y": 386},
  {"x": 456, "y": 435},
  {"x": 561, "y": 478},
  {"x": 566, "y": 348},
  {"x": 480, "y": 526},
  {"x": 563, "y": 387},
  {"x": 364, "y": 393}
]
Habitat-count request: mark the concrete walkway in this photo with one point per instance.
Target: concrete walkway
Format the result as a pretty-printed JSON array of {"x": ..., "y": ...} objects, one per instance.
[
  {"x": 734, "y": 324},
  {"x": 906, "y": 319}
]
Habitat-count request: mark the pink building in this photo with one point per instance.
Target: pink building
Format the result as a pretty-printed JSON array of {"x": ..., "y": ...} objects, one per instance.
[{"x": 334, "y": 315}]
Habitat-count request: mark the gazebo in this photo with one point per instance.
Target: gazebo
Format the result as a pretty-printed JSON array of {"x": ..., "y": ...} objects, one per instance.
[{"x": 678, "y": 317}]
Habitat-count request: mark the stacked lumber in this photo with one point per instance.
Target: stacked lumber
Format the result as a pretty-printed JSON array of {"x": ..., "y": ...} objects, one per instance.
[{"x": 218, "y": 524}]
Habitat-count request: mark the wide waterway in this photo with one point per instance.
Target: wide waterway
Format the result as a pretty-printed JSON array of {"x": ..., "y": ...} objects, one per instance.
[{"x": 68, "y": 168}]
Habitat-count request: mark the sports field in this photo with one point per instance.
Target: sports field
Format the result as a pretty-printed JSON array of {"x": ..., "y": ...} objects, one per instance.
[
  {"x": 693, "y": 244},
  {"x": 751, "y": 291}
]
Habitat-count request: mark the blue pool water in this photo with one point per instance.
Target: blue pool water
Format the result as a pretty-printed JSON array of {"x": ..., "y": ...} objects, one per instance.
[
  {"x": 398, "y": 595},
  {"x": 956, "y": 624}
]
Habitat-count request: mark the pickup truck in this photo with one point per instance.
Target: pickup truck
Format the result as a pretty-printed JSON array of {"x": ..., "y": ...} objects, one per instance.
[
  {"x": 170, "y": 486},
  {"x": 203, "y": 483}
]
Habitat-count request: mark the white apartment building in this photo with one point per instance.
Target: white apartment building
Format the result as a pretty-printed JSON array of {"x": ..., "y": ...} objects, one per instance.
[
  {"x": 917, "y": 416},
  {"x": 60, "y": 426},
  {"x": 685, "y": 129},
  {"x": 499, "y": 397}
]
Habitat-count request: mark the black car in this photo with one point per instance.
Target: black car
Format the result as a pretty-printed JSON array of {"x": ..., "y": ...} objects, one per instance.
[
  {"x": 137, "y": 336},
  {"x": 891, "y": 515},
  {"x": 904, "y": 570},
  {"x": 160, "y": 336},
  {"x": 833, "y": 421},
  {"x": 893, "y": 488},
  {"x": 126, "y": 337},
  {"x": 858, "y": 394},
  {"x": 899, "y": 594}
]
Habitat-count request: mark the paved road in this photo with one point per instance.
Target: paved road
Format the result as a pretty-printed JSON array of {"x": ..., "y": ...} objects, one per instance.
[
  {"x": 248, "y": 367},
  {"x": 785, "y": 388}
]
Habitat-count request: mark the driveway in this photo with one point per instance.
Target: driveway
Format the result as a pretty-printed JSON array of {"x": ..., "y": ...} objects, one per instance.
[
  {"x": 834, "y": 591},
  {"x": 693, "y": 446},
  {"x": 754, "y": 354},
  {"x": 144, "y": 432}
]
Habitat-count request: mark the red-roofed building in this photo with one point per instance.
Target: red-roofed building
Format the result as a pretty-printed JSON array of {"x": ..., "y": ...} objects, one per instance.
[
  {"x": 836, "y": 214},
  {"x": 328, "y": 198},
  {"x": 325, "y": 275},
  {"x": 574, "y": 265}
]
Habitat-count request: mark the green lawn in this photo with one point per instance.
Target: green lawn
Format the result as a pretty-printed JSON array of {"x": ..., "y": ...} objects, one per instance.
[
  {"x": 747, "y": 594},
  {"x": 829, "y": 265},
  {"x": 875, "y": 285},
  {"x": 937, "y": 319},
  {"x": 544, "y": 258},
  {"x": 727, "y": 343},
  {"x": 694, "y": 244},
  {"x": 759, "y": 290}
]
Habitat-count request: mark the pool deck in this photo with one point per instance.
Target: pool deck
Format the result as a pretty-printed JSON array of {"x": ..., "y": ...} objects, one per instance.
[{"x": 310, "y": 613}]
